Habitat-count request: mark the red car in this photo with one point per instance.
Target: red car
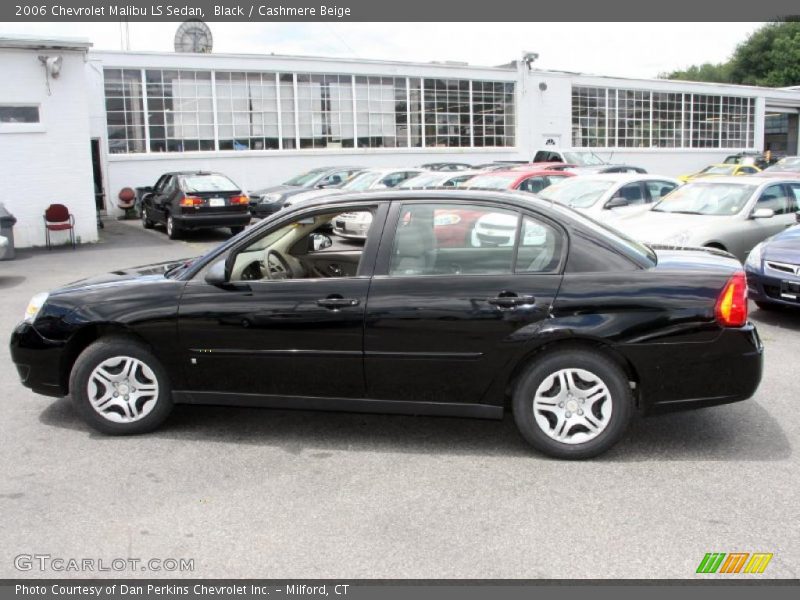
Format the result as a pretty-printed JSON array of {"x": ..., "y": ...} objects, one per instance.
[{"x": 532, "y": 180}]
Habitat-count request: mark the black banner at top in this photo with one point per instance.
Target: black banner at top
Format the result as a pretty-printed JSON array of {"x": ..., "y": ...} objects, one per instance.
[{"x": 397, "y": 10}]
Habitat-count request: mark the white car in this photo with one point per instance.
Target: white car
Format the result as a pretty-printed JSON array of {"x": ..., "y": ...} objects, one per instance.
[
  {"x": 371, "y": 179},
  {"x": 609, "y": 196},
  {"x": 500, "y": 229}
]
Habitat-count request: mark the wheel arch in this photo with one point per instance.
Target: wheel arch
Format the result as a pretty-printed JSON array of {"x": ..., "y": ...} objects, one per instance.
[{"x": 566, "y": 344}]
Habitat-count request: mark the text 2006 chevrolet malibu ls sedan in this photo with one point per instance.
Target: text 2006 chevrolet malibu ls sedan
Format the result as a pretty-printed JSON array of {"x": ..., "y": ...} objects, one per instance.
[{"x": 572, "y": 326}]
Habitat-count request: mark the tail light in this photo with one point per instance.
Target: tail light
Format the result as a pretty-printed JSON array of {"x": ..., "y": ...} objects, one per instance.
[
  {"x": 240, "y": 200},
  {"x": 731, "y": 308},
  {"x": 191, "y": 201}
]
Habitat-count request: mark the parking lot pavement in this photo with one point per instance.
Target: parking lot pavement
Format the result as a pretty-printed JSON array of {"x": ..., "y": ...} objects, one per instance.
[{"x": 267, "y": 493}]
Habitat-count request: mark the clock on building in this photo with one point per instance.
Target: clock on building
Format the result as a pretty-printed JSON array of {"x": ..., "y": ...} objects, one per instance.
[{"x": 193, "y": 36}]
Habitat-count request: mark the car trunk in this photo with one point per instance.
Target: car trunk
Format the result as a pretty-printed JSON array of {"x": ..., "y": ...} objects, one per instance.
[{"x": 216, "y": 202}]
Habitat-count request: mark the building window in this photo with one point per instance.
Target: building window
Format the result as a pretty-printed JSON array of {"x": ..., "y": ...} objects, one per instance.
[
  {"x": 619, "y": 118},
  {"x": 124, "y": 110},
  {"x": 19, "y": 113},
  {"x": 160, "y": 110},
  {"x": 180, "y": 110}
]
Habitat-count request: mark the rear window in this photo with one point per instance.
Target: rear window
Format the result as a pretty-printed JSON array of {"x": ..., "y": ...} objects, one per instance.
[{"x": 208, "y": 183}]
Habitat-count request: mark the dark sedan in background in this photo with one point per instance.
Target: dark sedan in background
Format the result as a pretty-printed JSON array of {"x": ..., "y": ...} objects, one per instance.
[
  {"x": 773, "y": 270},
  {"x": 571, "y": 326},
  {"x": 269, "y": 200},
  {"x": 189, "y": 200}
]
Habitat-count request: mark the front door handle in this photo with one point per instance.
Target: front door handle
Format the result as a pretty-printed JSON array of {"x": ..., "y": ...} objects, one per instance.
[
  {"x": 511, "y": 301},
  {"x": 335, "y": 301}
]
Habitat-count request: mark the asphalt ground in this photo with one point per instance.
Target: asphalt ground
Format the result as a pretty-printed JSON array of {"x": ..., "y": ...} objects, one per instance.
[{"x": 295, "y": 494}]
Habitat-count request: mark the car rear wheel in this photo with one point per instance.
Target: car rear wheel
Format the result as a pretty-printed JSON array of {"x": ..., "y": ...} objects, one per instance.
[
  {"x": 118, "y": 387},
  {"x": 573, "y": 404},
  {"x": 237, "y": 230},
  {"x": 173, "y": 231},
  {"x": 147, "y": 222}
]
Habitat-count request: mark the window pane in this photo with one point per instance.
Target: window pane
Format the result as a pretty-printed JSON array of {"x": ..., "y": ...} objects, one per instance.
[
  {"x": 19, "y": 114},
  {"x": 539, "y": 249}
]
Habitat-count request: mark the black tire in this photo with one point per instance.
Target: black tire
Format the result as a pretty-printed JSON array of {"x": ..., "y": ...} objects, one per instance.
[
  {"x": 603, "y": 368},
  {"x": 107, "y": 348},
  {"x": 237, "y": 230},
  {"x": 147, "y": 223},
  {"x": 767, "y": 305},
  {"x": 173, "y": 231}
]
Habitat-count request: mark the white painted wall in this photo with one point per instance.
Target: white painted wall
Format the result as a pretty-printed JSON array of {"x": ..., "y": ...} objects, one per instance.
[{"x": 50, "y": 163}]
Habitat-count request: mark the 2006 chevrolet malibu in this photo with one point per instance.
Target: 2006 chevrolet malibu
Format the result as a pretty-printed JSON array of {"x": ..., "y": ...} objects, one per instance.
[{"x": 571, "y": 326}]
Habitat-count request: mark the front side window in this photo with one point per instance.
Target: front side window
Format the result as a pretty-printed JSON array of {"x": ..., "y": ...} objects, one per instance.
[
  {"x": 464, "y": 239},
  {"x": 632, "y": 192},
  {"x": 774, "y": 198}
]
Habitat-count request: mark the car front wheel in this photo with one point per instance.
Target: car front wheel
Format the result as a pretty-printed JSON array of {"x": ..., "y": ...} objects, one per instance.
[
  {"x": 573, "y": 404},
  {"x": 118, "y": 387}
]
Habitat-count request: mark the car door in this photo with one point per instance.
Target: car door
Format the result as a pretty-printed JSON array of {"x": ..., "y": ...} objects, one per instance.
[
  {"x": 153, "y": 200},
  {"x": 774, "y": 197},
  {"x": 302, "y": 336},
  {"x": 442, "y": 315}
]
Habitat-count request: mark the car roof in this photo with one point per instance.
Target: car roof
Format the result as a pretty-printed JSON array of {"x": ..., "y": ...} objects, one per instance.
[
  {"x": 736, "y": 180},
  {"x": 625, "y": 177},
  {"x": 523, "y": 173}
]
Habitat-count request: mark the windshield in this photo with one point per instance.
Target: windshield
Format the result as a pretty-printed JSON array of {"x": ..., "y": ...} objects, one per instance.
[
  {"x": 584, "y": 159},
  {"x": 424, "y": 180},
  {"x": 718, "y": 170},
  {"x": 576, "y": 192},
  {"x": 307, "y": 178},
  {"x": 493, "y": 182},
  {"x": 785, "y": 165},
  {"x": 362, "y": 182},
  {"x": 208, "y": 183},
  {"x": 706, "y": 198}
]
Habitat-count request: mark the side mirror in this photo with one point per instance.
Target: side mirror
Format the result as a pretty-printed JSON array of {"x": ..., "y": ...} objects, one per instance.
[
  {"x": 763, "y": 213},
  {"x": 320, "y": 241},
  {"x": 215, "y": 275},
  {"x": 616, "y": 202}
]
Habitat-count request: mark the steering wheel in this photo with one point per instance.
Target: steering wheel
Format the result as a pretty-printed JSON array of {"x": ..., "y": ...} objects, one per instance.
[{"x": 277, "y": 267}]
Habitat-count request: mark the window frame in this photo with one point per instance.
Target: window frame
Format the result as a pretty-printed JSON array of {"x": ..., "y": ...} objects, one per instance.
[
  {"x": 390, "y": 228},
  {"x": 23, "y": 127}
]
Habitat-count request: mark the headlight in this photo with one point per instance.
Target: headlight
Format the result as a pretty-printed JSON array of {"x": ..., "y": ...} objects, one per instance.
[
  {"x": 35, "y": 305},
  {"x": 677, "y": 239},
  {"x": 274, "y": 197},
  {"x": 754, "y": 258}
]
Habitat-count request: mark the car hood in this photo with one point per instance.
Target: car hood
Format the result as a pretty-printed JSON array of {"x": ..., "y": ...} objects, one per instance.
[
  {"x": 784, "y": 247},
  {"x": 655, "y": 226},
  {"x": 123, "y": 277}
]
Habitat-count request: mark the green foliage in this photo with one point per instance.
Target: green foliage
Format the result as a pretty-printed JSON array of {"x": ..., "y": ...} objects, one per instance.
[{"x": 769, "y": 57}]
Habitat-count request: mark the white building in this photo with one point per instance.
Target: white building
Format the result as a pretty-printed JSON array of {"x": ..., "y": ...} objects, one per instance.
[{"x": 125, "y": 118}]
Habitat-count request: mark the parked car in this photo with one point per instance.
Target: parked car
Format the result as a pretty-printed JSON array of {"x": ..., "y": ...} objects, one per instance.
[
  {"x": 728, "y": 213},
  {"x": 583, "y": 162},
  {"x": 499, "y": 165},
  {"x": 368, "y": 179},
  {"x": 580, "y": 328},
  {"x": 760, "y": 160},
  {"x": 188, "y": 200},
  {"x": 789, "y": 165},
  {"x": 446, "y": 166},
  {"x": 525, "y": 180},
  {"x": 721, "y": 170},
  {"x": 267, "y": 201},
  {"x": 439, "y": 179},
  {"x": 773, "y": 270},
  {"x": 610, "y": 195}
]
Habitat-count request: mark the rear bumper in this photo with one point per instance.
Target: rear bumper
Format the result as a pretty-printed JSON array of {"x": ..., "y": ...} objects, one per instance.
[
  {"x": 38, "y": 361},
  {"x": 207, "y": 221},
  {"x": 696, "y": 375},
  {"x": 763, "y": 288}
]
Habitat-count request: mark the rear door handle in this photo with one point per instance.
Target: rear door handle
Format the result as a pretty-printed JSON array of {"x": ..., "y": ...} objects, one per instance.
[
  {"x": 511, "y": 301},
  {"x": 336, "y": 301}
]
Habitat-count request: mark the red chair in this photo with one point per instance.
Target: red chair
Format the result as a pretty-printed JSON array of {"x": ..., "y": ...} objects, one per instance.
[{"x": 58, "y": 218}]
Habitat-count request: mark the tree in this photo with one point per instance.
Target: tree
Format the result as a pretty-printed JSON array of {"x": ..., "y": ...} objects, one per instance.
[{"x": 769, "y": 57}]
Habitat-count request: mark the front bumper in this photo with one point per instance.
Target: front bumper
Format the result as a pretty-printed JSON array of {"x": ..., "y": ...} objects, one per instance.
[
  {"x": 765, "y": 288},
  {"x": 209, "y": 221},
  {"x": 38, "y": 361},
  {"x": 696, "y": 375}
]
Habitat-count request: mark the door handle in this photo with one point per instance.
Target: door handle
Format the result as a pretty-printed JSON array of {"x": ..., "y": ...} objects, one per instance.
[
  {"x": 511, "y": 300},
  {"x": 336, "y": 301}
]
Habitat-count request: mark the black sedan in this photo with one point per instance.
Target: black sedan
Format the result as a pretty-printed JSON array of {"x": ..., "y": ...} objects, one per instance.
[
  {"x": 189, "y": 200},
  {"x": 269, "y": 200},
  {"x": 571, "y": 326},
  {"x": 773, "y": 270}
]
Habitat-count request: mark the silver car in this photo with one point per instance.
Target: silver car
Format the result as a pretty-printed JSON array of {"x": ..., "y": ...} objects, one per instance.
[{"x": 729, "y": 213}]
